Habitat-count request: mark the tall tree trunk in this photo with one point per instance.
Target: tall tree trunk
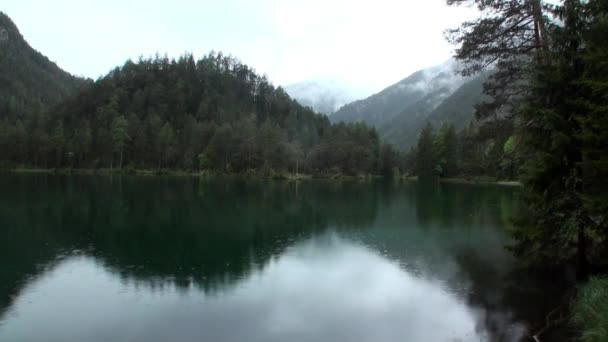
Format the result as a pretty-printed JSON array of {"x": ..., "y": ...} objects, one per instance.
[{"x": 540, "y": 32}]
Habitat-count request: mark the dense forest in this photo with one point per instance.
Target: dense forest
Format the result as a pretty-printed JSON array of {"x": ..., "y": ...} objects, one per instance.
[
  {"x": 477, "y": 152},
  {"x": 553, "y": 86},
  {"x": 29, "y": 82},
  {"x": 550, "y": 84},
  {"x": 543, "y": 121},
  {"x": 214, "y": 113}
]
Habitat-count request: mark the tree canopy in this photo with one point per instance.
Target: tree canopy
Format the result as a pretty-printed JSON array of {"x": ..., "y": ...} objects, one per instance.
[
  {"x": 551, "y": 62},
  {"x": 214, "y": 113}
]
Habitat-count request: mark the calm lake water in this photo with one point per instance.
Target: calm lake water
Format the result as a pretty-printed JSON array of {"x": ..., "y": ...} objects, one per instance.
[{"x": 87, "y": 258}]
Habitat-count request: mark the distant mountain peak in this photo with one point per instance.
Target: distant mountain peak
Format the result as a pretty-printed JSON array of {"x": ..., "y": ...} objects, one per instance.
[
  {"x": 400, "y": 110},
  {"x": 324, "y": 96}
]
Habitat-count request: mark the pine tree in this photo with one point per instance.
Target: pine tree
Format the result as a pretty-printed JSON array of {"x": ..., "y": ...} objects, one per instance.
[
  {"x": 593, "y": 120},
  {"x": 450, "y": 169},
  {"x": 561, "y": 123},
  {"x": 166, "y": 141},
  {"x": 426, "y": 166},
  {"x": 555, "y": 228},
  {"x": 58, "y": 142},
  {"x": 510, "y": 36},
  {"x": 119, "y": 137}
]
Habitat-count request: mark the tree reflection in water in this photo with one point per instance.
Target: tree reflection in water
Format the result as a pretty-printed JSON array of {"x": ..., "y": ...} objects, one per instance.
[{"x": 233, "y": 260}]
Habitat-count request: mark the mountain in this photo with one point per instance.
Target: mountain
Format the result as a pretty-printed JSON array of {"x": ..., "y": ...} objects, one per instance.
[
  {"x": 323, "y": 96},
  {"x": 214, "y": 114},
  {"x": 400, "y": 111},
  {"x": 29, "y": 81},
  {"x": 458, "y": 109}
]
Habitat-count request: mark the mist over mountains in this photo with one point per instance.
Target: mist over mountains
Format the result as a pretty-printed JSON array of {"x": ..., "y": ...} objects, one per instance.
[
  {"x": 437, "y": 94},
  {"x": 32, "y": 85},
  {"x": 324, "y": 96}
]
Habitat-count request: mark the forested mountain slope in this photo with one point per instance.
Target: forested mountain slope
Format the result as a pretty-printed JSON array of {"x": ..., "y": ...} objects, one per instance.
[
  {"x": 214, "y": 113},
  {"x": 29, "y": 81},
  {"x": 422, "y": 87},
  {"x": 400, "y": 111},
  {"x": 457, "y": 109}
]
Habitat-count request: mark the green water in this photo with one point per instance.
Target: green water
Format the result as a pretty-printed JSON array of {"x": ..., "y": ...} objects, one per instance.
[{"x": 86, "y": 258}]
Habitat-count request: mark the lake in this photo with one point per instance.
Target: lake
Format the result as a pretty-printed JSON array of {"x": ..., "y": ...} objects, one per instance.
[{"x": 100, "y": 258}]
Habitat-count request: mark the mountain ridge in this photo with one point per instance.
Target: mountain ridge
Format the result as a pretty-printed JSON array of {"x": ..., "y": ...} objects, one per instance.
[
  {"x": 29, "y": 81},
  {"x": 214, "y": 114},
  {"x": 400, "y": 110}
]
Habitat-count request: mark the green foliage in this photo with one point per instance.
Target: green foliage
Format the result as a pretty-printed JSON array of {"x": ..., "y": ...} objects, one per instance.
[
  {"x": 509, "y": 146},
  {"x": 179, "y": 110},
  {"x": 591, "y": 310},
  {"x": 559, "y": 217},
  {"x": 58, "y": 140},
  {"x": 593, "y": 119},
  {"x": 445, "y": 147},
  {"x": 426, "y": 163},
  {"x": 350, "y": 149},
  {"x": 474, "y": 152},
  {"x": 119, "y": 136},
  {"x": 166, "y": 143},
  {"x": 551, "y": 77},
  {"x": 203, "y": 161},
  {"x": 29, "y": 82},
  {"x": 389, "y": 159}
]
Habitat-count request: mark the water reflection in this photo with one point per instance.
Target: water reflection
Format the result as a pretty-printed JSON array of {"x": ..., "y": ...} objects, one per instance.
[
  {"x": 323, "y": 289},
  {"x": 139, "y": 259}
]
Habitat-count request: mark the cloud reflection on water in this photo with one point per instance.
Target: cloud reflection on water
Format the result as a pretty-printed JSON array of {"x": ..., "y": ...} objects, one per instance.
[{"x": 326, "y": 288}]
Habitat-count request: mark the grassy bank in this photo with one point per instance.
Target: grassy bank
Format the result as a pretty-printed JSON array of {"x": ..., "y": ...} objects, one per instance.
[{"x": 591, "y": 310}]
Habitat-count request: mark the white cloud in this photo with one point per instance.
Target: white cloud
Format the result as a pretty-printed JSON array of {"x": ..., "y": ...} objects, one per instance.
[
  {"x": 369, "y": 44},
  {"x": 350, "y": 294}
]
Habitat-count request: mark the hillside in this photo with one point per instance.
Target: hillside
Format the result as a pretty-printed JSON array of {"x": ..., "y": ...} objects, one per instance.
[
  {"x": 422, "y": 88},
  {"x": 214, "y": 113},
  {"x": 400, "y": 111},
  {"x": 458, "y": 109},
  {"x": 29, "y": 81}
]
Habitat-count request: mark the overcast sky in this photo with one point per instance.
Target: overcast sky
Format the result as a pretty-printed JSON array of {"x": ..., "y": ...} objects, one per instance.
[{"x": 369, "y": 44}]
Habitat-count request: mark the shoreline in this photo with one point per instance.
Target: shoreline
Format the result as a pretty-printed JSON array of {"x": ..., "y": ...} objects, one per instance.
[
  {"x": 181, "y": 173},
  {"x": 254, "y": 175},
  {"x": 470, "y": 181},
  {"x": 480, "y": 181}
]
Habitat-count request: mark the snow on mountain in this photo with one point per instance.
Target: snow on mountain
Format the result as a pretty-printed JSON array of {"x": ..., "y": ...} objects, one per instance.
[
  {"x": 323, "y": 96},
  {"x": 400, "y": 110}
]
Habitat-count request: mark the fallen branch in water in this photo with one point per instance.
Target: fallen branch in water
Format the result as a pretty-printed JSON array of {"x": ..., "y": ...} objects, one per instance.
[{"x": 553, "y": 322}]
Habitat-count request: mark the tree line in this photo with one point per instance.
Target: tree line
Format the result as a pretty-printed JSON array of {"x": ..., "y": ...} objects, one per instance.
[
  {"x": 478, "y": 150},
  {"x": 209, "y": 114},
  {"x": 550, "y": 81}
]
